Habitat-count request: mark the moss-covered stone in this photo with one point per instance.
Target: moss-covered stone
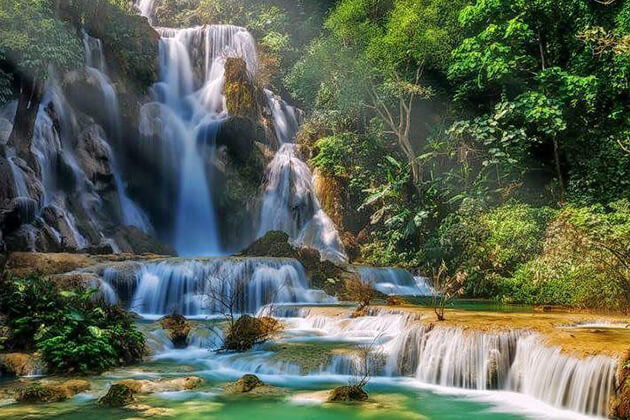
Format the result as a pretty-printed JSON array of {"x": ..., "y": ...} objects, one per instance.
[
  {"x": 118, "y": 395},
  {"x": 38, "y": 393},
  {"x": 620, "y": 405},
  {"x": 178, "y": 329},
  {"x": 252, "y": 386},
  {"x": 324, "y": 275},
  {"x": 247, "y": 383},
  {"x": 143, "y": 386},
  {"x": 239, "y": 90},
  {"x": 348, "y": 393},
  {"x": 20, "y": 364}
]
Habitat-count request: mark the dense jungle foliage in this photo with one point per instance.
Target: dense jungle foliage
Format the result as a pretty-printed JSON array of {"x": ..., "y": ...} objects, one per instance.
[
  {"x": 74, "y": 332},
  {"x": 493, "y": 135}
]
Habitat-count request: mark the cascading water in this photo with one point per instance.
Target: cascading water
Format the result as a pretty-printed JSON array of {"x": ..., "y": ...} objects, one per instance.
[
  {"x": 186, "y": 115},
  {"x": 545, "y": 373},
  {"x": 395, "y": 281},
  {"x": 96, "y": 66},
  {"x": 289, "y": 203},
  {"x": 201, "y": 287}
]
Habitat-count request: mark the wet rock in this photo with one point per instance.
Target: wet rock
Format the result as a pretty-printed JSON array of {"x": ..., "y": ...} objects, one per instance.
[
  {"x": 252, "y": 386},
  {"x": 324, "y": 275},
  {"x": 166, "y": 385},
  {"x": 620, "y": 404},
  {"x": 238, "y": 134},
  {"x": 21, "y": 364},
  {"x": 118, "y": 395},
  {"x": 247, "y": 383},
  {"x": 240, "y": 96},
  {"x": 178, "y": 329},
  {"x": 48, "y": 392},
  {"x": 132, "y": 240},
  {"x": 19, "y": 211},
  {"x": 348, "y": 393}
]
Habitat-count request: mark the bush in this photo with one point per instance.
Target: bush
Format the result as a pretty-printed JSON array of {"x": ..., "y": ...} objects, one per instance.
[
  {"x": 247, "y": 331},
  {"x": 585, "y": 261},
  {"x": 74, "y": 332},
  {"x": 489, "y": 244}
]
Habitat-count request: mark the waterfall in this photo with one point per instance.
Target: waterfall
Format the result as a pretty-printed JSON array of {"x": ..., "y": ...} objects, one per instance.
[
  {"x": 201, "y": 287},
  {"x": 395, "y": 281},
  {"x": 290, "y": 204},
  {"x": 96, "y": 66},
  {"x": 545, "y": 373},
  {"x": 185, "y": 116}
]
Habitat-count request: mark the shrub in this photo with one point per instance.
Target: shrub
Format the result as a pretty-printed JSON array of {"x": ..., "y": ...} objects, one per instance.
[
  {"x": 247, "y": 331},
  {"x": 489, "y": 244},
  {"x": 74, "y": 332},
  {"x": 585, "y": 261}
]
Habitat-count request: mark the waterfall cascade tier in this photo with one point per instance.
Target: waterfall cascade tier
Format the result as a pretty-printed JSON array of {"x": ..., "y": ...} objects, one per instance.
[
  {"x": 395, "y": 281},
  {"x": 203, "y": 287},
  {"x": 451, "y": 357},
  {"x": 181, "y": 124}
]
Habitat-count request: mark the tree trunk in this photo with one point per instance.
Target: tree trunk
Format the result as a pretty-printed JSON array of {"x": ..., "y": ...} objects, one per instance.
[
  {"x": 31, "y": 93},
  {"x": 556, "y": 157}
]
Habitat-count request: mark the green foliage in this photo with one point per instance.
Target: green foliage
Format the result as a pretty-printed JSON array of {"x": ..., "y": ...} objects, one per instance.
[
  {"x": 74, "y": 332},
  {"x": 488, "y": 245},
  {"x": 585, "y": 261},
  {"x": 33, "y": 38}
]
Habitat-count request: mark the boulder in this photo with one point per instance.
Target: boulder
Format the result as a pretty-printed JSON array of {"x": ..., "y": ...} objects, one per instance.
[
  {"x": 118, "y": 395},
  {"x": 348, "y": 393},
  {"x": 178, "y": 329},
  {"x": 247, "y": 383},
  {"x": 324, "y": 275},
  {"x": 21, "y": 364},
  {"x": 238, "y": 134},
  {"x": 144, "y": 386},
  {"x": 240, "y": 94},
  {"x": 132, "y": 240},
  {"x": 50, "y": 392}
]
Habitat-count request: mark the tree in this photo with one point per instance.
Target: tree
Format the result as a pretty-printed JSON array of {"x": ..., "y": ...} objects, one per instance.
[
  {"x": 361, "y": 292},
  {"x": 33, "y": 41},
  {"x": 446, "y": 287}
]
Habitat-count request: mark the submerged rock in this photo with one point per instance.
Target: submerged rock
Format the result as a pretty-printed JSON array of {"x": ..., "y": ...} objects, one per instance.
[
  {"x": 178, "y": 329},
  {"x": 247, "y": 383},
  {"x": 143, "y": 386},
  {"x": 252, "y": 385},
  {"x": 348, "y": 393},
  {"x": 118, "y": 395},
  {"x": 46, "y": 393}
]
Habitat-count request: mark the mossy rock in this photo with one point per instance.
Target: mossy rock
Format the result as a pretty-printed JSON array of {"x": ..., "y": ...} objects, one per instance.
[
  {"x": 247, "y": 383},
  {"x": 39, "y": 393},
  {"x": 324, "y": 275},
  {"x": 252, "y": 386},
  {"x": 118, "y": 395},
  {"x": 620, "y": 403},
  {"x": 239, "y": 89},
  {"x": 348, "y": 393},
  {"x": 178, "y": 329}
]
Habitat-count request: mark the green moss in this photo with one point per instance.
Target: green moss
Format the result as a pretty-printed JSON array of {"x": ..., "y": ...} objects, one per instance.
[
  {"x": 118, "y": 395},
  {"x": 308, "y": 356}
]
